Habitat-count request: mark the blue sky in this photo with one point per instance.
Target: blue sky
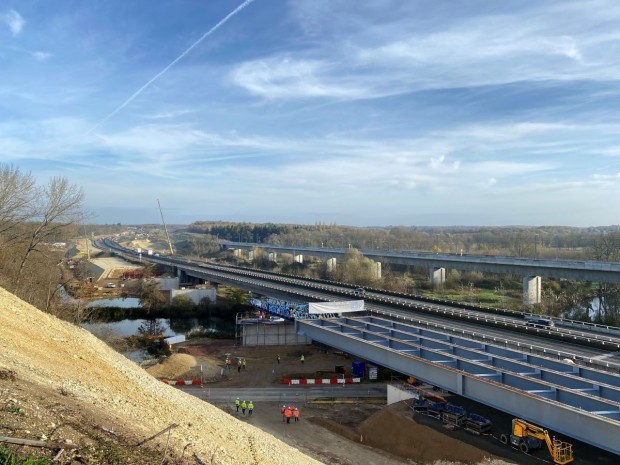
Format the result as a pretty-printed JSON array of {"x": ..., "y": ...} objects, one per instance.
[{"x": 335, "y": 111}]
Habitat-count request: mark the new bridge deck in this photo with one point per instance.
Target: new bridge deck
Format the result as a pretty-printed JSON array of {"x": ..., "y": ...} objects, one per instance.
[{"x": 579, "y": 402}]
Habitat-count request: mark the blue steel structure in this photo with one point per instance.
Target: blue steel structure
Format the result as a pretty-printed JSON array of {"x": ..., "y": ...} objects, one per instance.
[{"x": 579, "y": 402}]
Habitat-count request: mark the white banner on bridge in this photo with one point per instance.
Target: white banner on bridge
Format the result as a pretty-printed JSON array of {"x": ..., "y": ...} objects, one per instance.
[{"x": 336, "y": 307}]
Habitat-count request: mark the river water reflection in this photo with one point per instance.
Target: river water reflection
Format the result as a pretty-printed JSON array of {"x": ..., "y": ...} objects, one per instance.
[{"x": 168, "y": 326}]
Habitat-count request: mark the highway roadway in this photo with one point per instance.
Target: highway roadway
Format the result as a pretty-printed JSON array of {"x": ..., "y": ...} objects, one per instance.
[
  {"x": 470, "y": 322},
  {"x": 509, "y": 330}
]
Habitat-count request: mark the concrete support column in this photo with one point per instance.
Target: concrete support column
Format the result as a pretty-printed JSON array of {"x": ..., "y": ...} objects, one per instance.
[
  {"x": 250, "y": 255},
  {"x": 298, "y": 258},
  {"x": 273, "y": 257},
  {"x": 331, "y": 265},
  {"x": 437, "y": 276},
  {"x": 378, "y": 270},
  {"x": 237, "y": 253},
  {"x": 531, "y": 290}
]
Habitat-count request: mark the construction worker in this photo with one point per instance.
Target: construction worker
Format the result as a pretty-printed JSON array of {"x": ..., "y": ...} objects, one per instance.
[
  {"x": 239, "y": 366},
  {"x": 288, "y": 413},
  {"x": 243, "y": 407},
  {"x": 296, "y": 414},
  {"x": 250, "y": 408},
  {"x": 302, "y": 359},
  {"x": 237, "y": 404},
  {"x": 243, "y": 362},
  {"x": 278, "y": 358},
  {"x": 282, "y": 411}
]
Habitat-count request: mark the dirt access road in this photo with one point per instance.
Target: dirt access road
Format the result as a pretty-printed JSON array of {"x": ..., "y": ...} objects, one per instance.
[{"x": 346, "y": 434}]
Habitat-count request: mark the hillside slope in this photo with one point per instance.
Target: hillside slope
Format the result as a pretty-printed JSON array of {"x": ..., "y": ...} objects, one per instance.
[{"x": 82, "y": 380}]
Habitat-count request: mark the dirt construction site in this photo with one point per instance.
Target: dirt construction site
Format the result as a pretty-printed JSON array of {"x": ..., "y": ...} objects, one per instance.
[
  {"x": 336, "y": 433},
  {"x": 347, "y": 432},
  {"x": 64, "y": 388}
]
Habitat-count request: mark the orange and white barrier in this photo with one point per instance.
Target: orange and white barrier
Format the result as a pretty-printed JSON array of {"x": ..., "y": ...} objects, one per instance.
[{"x": 322, "y": 381}]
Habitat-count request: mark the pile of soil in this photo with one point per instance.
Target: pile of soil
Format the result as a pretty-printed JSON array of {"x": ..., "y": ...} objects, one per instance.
[
  {"x": 405, "y": 438},
  {"x": 173, "y": 367}
]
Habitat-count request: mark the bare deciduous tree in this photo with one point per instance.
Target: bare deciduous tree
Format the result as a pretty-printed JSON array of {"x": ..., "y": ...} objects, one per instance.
[
  {"x": 58, "y": 206},
  {"x": 17, "y": 194}
]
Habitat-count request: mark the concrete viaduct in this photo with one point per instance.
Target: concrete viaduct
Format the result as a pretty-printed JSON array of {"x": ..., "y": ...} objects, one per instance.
[{"x": 530, "y": 269}]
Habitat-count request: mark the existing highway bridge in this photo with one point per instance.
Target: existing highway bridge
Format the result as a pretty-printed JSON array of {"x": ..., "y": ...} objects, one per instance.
[
  {"x": 531, "y": 269},
  {"x": 565, "y": 378}
]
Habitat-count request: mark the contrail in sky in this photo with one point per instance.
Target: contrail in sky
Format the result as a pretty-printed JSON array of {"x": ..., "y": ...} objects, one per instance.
[{"x": 189, "y": 49}]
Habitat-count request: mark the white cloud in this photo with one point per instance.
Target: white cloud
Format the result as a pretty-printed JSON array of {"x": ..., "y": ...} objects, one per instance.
[
  {"x": 610, "y": 151},
  {"x": 284, "y": 77},
  {"x": 41, "y": 56},
  {"x": 606, "y": 180},
  {"x": 14, "y": 20},
  {"x": 361, "y": 58}
]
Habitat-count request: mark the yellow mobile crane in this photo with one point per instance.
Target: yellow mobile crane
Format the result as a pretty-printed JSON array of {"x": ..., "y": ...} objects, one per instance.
[{"x": 527, "y": 436}]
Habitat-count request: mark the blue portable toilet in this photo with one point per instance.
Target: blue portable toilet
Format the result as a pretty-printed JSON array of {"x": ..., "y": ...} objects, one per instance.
[{"x": 358, "y": 368}]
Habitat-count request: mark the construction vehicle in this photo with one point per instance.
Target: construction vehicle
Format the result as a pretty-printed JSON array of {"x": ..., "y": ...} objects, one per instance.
[{"x": 527, "y": 436}]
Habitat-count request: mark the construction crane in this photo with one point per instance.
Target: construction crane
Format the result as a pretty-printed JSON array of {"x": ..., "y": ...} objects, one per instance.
[
  {"x": 527, "y": 436},
  {"x": 165, "y": 229}
]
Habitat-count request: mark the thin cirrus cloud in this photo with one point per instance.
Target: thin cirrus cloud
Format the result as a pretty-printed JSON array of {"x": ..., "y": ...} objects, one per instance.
[{"x": 487, "y": 50}]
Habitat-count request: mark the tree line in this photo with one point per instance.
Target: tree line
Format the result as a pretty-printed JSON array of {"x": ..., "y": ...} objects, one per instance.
[{"x": 597, "y": 243}]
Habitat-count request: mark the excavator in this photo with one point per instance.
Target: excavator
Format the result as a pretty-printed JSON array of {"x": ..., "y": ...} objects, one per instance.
[{"x": 527, "y": 436}]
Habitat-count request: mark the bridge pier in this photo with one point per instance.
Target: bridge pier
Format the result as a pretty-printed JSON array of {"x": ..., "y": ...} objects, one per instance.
[
  {"x": 378, "y": 270},
  {"x": 531, "y": 290},
  {"x": 238, "y": 253},
  {"x": 184, "y": 278},
  {"x": 273, "y": 257},
  {"x": 250, "y": 255},
  {"x": 437, "y": 276},
  {"x": 331, "y": 265},
  {"x": 298, "y": 258}
]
